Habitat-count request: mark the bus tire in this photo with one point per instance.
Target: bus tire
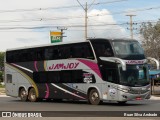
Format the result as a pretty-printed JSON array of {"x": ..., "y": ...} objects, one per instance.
[
  {"x": 94, "y": 97},
  {"x": 57, "y": 100},
  {"x": 23, "y": 95},
  {"x": 32, "y": 95},
  {"x": 122, "y": 102}
]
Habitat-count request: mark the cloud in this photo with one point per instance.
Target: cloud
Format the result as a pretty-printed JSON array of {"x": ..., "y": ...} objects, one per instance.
[{"x": 73, "y": 19}]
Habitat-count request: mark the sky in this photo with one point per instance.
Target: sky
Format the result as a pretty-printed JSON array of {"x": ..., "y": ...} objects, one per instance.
[{"x": 29, "y": 22}]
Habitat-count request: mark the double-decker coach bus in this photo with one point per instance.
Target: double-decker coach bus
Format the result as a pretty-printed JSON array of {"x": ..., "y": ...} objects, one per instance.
[{"x": 95, "y": 70}]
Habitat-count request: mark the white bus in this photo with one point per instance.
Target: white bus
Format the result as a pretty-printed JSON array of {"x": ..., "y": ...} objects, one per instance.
[{"x": 95, "y": 70}]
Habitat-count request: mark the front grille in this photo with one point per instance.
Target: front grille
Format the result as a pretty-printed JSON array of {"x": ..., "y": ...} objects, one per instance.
[{"x": 135, "y": 91}]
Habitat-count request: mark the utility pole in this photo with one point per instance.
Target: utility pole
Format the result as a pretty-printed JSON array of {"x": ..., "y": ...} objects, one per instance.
[
  {"x": 86, "y": 8},
  {"x": 131, "y": 25},
  {"x": 86, "y": 21},
  {"x": 62, "y": 28}
]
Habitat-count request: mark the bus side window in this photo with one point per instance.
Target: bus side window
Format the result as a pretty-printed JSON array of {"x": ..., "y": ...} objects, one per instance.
[
  {"x": 16, "y": 56},
  {"x": 55, "y": 54},
  {"x": 64, "y": 52},
  {"x": 9, "y": 78},
  {"x": 87, "y": 51},
  {"x": 110, "y": 75},
  {"x": 40, "y": 77},
  {"x": 31, "y": 55},
  {"x": 65, "y": 76},
  {"x": 39, "y": 54},
  {"x": 76, "y": 51},
  {"x": 53, "y": 77},
  {"x": 9, "y": 57},
  {"x": 77, "y": 76},
  {"x": 48, "y": 53}
]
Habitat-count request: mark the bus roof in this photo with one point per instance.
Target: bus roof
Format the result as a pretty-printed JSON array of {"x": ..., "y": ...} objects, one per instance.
[
  {"x": 45, "y": 45},
  {"x": 63, "y": 43}
]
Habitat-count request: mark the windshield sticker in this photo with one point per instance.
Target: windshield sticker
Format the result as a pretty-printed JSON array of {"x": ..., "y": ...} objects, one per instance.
[
  {"x": 87, "y": 77},
  {"x": 134, "y": 61}
]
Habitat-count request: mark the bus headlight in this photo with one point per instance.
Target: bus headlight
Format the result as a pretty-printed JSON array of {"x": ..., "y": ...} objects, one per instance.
[
  {"x": 149, "y": 88},
  {"x": 126, "y": 90}
]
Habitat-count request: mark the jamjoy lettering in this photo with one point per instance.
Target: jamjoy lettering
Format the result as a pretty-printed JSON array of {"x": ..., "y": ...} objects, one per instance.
[{"x": 63, "y": 66}]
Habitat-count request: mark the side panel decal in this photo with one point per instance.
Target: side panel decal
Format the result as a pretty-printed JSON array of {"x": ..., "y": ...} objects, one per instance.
[{"x": 24, "y": 75}]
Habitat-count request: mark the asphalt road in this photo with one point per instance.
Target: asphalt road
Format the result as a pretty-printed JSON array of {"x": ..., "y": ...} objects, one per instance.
[
  {"x": 14, "y": 104},
  {"x": 65, "y": 110}
]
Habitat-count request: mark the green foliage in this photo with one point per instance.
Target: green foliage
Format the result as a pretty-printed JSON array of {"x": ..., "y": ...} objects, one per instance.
[
  {"x": 1, "y": 86},
  {"x": 1, "y": 65},
  {"x": 1, "y": 60},
  {"x": 151, "y": 42},
  {"x": 1, "y": 76},
  {"x": 158, "y": 79}
]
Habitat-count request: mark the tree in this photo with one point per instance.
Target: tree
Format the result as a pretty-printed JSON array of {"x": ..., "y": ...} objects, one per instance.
[
  {"x": 1, "y": 60},
  {"x": 1, "y": 65},
  {"x": 151, "y": 39},
  {"x": 1, "y": 76}
]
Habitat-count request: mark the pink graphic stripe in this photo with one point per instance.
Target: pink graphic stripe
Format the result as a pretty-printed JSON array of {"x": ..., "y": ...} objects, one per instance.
[
  {"x": 47, "y": 87},
  {"x": 35, "y": 66},
  {"x": 93, "y": 66},
  {"x": 47, "y": 92}
]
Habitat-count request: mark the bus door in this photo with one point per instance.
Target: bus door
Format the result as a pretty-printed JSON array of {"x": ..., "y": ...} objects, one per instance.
[
  {"x": 11, "y": 84},
  {"x": 111, "y": 78}
]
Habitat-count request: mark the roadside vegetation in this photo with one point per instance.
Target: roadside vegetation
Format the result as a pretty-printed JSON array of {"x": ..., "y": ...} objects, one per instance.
[{"x": 1, "y": 86}]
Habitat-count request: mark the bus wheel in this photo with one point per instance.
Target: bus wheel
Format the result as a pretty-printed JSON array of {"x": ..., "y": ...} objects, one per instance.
[
  {"x": 23, "y": 95},
  {"x": 94, "y": 98},
  {"x": 32, "y": 95}
]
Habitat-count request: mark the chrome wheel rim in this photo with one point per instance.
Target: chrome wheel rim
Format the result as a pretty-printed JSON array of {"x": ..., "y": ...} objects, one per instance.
[{"x": 94, "y": 96}]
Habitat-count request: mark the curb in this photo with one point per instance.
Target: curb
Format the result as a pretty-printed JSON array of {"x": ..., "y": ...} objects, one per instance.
[
  {"x": 154, "y": 98},
  {"x": 4, "y": 95}
]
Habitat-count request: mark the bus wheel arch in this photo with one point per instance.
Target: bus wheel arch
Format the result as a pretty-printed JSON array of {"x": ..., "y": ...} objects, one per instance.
[
  {"x": 23, "y": 94},
  {"x": 32, "y": 97},
  {"x": 93, "y": 96}
]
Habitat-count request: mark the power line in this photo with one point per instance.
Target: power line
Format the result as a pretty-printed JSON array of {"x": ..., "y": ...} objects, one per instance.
[
  {"x": 123, "y": 12},
  {"x": 76, "y": 25},
  {"x": 44, "y": 27},
  {"x": 52, "y": 8},
  {"x": 74, "y": 17}
]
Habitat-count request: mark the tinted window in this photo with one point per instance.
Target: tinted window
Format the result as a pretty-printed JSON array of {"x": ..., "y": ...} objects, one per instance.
[
  {"x": 103, "y": 49},
  {"x": 82, "y": 50},
  {"x": 9, "y": 78},
  {"x": 77, "y": 76},
  {"x": 65, "y": 76},
  {"x": 77, "y": 50},
  {"x": 40, "y": 77},
  {"x": 53, "y": 77},
  {"x": 65, "y": 52},
  {"x": 110, "y": 73}
]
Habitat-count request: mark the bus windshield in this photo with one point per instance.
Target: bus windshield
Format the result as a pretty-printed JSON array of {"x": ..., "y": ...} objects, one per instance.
[
  {"x": 127, "y": 48},
  {"x": 135, "y": 76}
]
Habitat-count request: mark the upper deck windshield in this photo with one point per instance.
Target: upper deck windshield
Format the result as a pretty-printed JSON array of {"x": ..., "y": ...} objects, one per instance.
[
  {"x": 135, "y": 75},
  {"x": 127, "y": 48},
  {"x": 124, "y": 49}
]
